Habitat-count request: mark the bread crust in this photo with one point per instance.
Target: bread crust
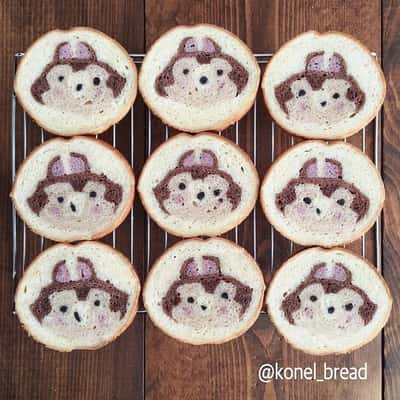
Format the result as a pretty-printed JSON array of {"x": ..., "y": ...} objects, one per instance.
[
  {"x": 170, "y": 230},
  {"x": 331, "y": 250},
  {"x": 102, "y": 129},
  {"x": 124, "y": 213},
  {"x": 327, "y": 144},
  {"x": 286, "y": 127},
  {"x": 199, "y": 341},
  {"x": 229, "y": 121},
  {"x": 132, "y": 313}
]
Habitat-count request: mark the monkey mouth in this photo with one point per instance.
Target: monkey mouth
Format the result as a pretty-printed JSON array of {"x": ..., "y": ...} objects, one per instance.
[{"x": 88, "y": 102}]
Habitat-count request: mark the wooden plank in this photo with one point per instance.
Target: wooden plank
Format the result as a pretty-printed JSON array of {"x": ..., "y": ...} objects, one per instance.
[
  {"x": 391, "y": 168},
  {"x": 27, "y": 369},
  {"x": 230, "y": 370}
]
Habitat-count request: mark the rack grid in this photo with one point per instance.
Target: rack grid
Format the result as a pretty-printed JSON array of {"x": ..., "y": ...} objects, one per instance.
[{"x": 19, "y": 150}]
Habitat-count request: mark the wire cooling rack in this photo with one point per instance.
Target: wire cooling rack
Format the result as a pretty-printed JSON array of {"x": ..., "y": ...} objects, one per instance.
[{"x": 370, "y": 143}]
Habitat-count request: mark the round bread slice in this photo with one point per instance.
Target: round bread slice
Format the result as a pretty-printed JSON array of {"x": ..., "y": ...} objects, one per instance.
[
  {"x": 204, "y": 291},
  {"x": 323, "y": 86},
  {"x": 198, "y": 185},
  {"x": 75, "y": 297},
  {"x": 78, "y": 81},
  {"x": 74, "y": 189},
  {"x": 322, "y": 194},
  {"x": 328, "y": 301},
  {"x": 199, "y": 77}
]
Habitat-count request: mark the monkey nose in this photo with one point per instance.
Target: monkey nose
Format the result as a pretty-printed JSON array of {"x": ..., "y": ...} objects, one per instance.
[
  {"x": 203, "y": 307},
  {"x": 323, "y": 103},
  {"x": 203, "y": 80},
  {"x": 77, "y": 316},
  {"x": 73, "y": 207},
  {"x": 318, "y": 211}
]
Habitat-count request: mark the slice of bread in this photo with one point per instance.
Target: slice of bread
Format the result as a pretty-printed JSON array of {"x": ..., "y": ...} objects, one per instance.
[
  {"x": 74, "y": 189},
  {"x": 204, "y": 291},
  {"x": 198, "y": 185},
  {"x": 328, "y": 301},
  {"x": 75, "y": 297},
  {"x": 199, "y": 77},
  {"x": 326, "y": 86},
  {"x": 78, "y": 81},
  {"x": 322, "y": 194}
]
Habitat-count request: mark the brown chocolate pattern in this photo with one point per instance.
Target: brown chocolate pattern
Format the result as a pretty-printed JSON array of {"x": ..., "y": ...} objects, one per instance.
[
  {"x": 209, "y": 276},
  {"x": 85, "y": 57},
  {"x": 80, "y": 175},
  {"x": 87, "y": 280},
  {"x": 207, "y": 165},
  {"x": 316, "y": 74},
  {"x": 329, "y": 182},
  {"x": 330, "y": 284},
  {"x": 209, "y": 51}
]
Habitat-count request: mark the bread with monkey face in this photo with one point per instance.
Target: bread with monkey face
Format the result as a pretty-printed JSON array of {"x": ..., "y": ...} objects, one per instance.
[
  {"x": 198, "y": 185},
  {"x": 322, "y": 194},
  {"x": 328, "y": 301},
  {"x": 323, "y": 86},
  {"x": 78, "y": 81},
  {"x": 199, "y": 78},
  {"x": 77, "y": 297},
  {"x": 74, "y": 189},
  {"x": 204, "y": 291}
]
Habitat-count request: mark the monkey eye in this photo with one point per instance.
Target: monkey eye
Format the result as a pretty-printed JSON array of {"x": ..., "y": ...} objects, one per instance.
[
  {"x": 92, "y": 194},
  {"x": 182, "y": 186},
  {"x": 302, "y": 92},
  {"x": 336, "y": 95},
  {"x": 96, "y": 303},
  {"x": 348, "y": 306},
  {"x": 60, "y": 199},
  {"x": 224, "y": 295},
  {"x": 313, "y": 298},
  {"x": 60, "y": 78},
  {"x": 220, "y": 72},
  {"x": 217, "y": 192},
  {"x": 63, "y": 309},
  {"x": 190, "y": 299},
  {"x": 307, "y": 200},
  {"x": 185, "y": 71},
  {"x": 341, "y": 202},
  {"x": 96, "y": 81}
]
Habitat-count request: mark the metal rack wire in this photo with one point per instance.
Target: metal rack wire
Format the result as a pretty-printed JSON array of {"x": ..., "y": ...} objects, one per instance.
[{"x": 19, "y": 246}]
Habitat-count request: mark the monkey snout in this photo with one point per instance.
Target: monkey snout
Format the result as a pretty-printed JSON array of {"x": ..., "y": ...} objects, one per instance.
[{"x": 77, "y": 316}]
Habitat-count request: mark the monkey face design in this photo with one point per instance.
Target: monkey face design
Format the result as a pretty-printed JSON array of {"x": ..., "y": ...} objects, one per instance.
[
  {"x": 323, "y": 93},
  {"x": 322, "y": 201},
  {"x": 204, "y": 297},
  {"x": 196, "y": 188},
  {"x": 200, "y": 74},
  {"x": 76, "y": 81},
  {"x": 77, "y": 303},
  {"x": 328, "y": 303},
  {"x": 69, "y": 199}
]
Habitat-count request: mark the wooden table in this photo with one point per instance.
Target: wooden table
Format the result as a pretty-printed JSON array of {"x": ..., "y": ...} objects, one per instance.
[{"x": 143, "y": 362}]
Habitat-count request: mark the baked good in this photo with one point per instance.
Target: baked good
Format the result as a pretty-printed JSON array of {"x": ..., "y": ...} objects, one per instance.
[
  {"x": 199, "y": 77},
  {"x": 77, "y": 81},
  {"x": 75, "y": 297},
  {"x": 328, "y": 301},
  {"x": 326, "y": 86},
  {"x": 74, "y": 189},
  {"x": 322, "y": 194},
  {"x": 200, "y": 184},
  {"x": 204, "y": 291}
]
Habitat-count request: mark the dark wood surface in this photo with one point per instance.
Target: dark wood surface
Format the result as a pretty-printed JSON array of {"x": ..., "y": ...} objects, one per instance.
[{"x": 143, "y": 362}]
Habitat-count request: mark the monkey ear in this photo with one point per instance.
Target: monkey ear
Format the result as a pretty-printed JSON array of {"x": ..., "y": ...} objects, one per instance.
[
  {"x": 78, "y": 163},
  {"x": 336, "y": 64},
  {"x": 84, "y": 269},
  {"x": 317, "y": 62},
  {"x": 208, "y": 266},
  {"x": 85, "y": 52},
  {"x": 56, "y": 168},
  {"x": 309, "y": 169},
  {"x": 63, "y": 52},
  {"x": 187, "y": 160},
  {"x": 61, "y": 273},
  {"x": 189, "y": 45},
  {"x": 332, "y": 169},
  {"x": 335, "y": 272},
  {"x": 208, "y": 159},
  {"x": 209, "y": 46}
]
